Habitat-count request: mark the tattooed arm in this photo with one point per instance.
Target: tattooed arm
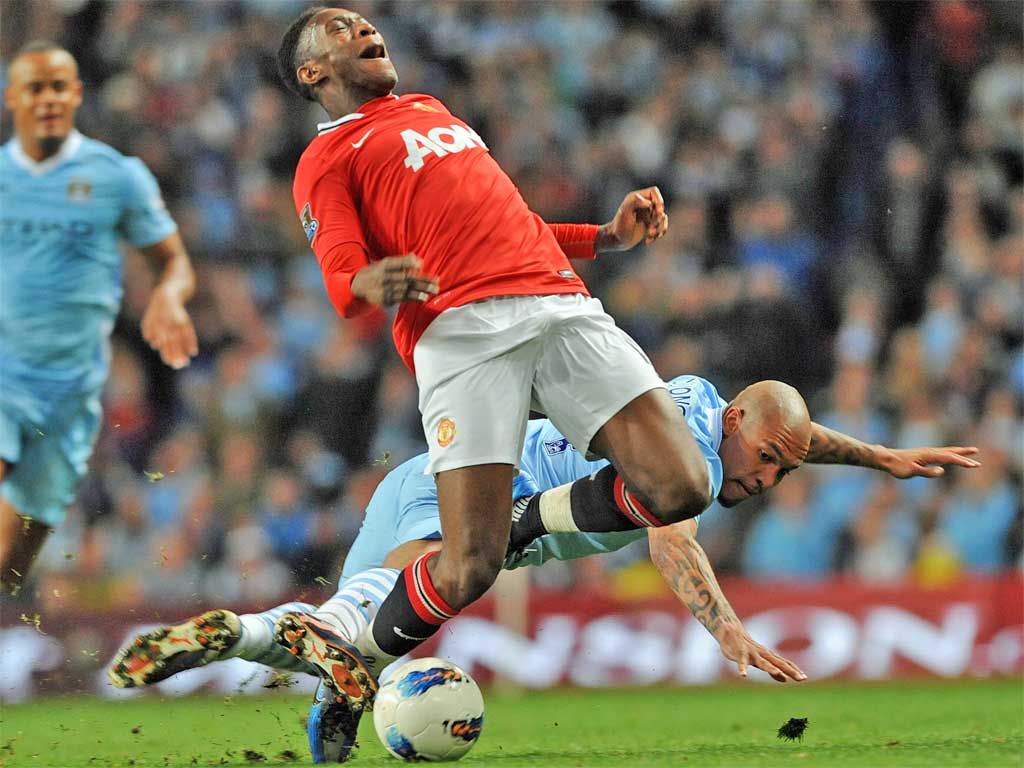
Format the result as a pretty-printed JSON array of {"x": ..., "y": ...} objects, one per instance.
[
  {"x": 684, "y": 565},
  {"x": 831, "y": 447}
]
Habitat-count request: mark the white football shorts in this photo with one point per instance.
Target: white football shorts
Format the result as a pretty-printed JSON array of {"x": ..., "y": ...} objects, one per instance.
[{"x": 482, "y": 367}]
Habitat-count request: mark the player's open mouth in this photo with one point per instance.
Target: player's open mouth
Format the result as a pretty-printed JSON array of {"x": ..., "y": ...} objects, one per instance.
[{"x": 374, "y": 52}]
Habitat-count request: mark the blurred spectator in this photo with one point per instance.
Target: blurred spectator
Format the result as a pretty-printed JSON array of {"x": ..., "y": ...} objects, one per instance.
[
  {"x": 842, "y": 490},
  {"x": 172, "y": 572},
  {"x": 1002, "y": 426},
  {"x": 176, "y": 473},
  {"x": 942, "y": 327},
  {"x": 997, "y": 96},
  {"x": 860, "y": 336},
  {"x": 249, "y": 573},
  {"x": 770, "y": 236},
  {"x": 976, "y": 517},
  {"x": 398, "y": 435},
  {"x": 240, "y": 464},
  {"x": 906, "y": 374},
  {"x": 336, "y": 401},
  {"x": 784, "y": 542},
  {"x": 937, "y": 563},
  {"x": 284, "y": 514},
  {"x": 128, "y": 537},
  {"x": 127, "y": 411},
  {"x": 904, "y": 211},
  {"x": 322, "y": 471},
  {"x": 878, "y": 544}
]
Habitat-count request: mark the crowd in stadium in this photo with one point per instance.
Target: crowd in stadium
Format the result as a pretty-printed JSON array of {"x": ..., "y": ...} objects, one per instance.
[{"x": 847, "y": 215}]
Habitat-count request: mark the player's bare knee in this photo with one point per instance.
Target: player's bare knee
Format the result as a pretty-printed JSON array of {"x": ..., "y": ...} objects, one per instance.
[
  {"x": 679, "y": 495},
  {"x": 467, "y": 578}
]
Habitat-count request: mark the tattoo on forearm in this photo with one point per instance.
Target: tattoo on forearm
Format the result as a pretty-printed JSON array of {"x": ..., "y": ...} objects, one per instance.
[
  {"x": 831, "y": 447},
  {"x": 606, "y": 239},
  {"x": 684, "y": 565}
]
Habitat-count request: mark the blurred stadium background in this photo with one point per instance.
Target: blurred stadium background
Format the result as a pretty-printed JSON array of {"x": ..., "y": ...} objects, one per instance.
[{"x": 847, "y": 214}]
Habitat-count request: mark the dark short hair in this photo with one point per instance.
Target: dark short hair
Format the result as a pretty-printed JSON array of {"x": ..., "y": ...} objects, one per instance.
[
  {"x": 40, "y": 46},
  {"x": 287, "y": 58}
]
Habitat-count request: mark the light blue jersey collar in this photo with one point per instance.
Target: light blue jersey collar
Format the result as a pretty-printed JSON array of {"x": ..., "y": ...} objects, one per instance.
[{"x": 67, "y": 150}]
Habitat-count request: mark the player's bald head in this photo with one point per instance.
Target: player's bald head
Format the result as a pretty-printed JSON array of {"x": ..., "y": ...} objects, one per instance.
[
  {"x": 766, "y": 433},
  {"x": 776, "y": 406}
]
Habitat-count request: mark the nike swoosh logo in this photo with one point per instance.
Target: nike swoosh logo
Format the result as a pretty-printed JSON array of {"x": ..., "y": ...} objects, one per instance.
[
  {"x": 519, "y": 508},
  {"x": 404, "y": 636},
  {"x": 358, "y": 144}
]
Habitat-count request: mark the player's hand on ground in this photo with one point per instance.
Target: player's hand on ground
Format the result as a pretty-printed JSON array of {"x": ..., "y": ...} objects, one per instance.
[
  {"x": 394, "y": 279},
  {"x": 741, "y": 648},
  {"x": 928, "y": 462},
  {"x": 641, "y": 217},
  {"x": 167, "y": 328}
]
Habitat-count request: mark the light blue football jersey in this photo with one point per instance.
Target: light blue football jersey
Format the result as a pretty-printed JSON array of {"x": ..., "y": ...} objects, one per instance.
[
  {"x": 60, "y": 289},
  {"x": 552, "y": 461},
  {"x": 404, "y": 506}
]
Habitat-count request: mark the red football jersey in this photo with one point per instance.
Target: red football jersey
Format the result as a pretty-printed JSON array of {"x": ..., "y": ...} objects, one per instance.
[{"x": 404, "y": 175}]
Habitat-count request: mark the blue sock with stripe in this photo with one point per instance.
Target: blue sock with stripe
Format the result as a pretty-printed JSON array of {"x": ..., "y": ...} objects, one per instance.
[{"x": 355, "y": 604}]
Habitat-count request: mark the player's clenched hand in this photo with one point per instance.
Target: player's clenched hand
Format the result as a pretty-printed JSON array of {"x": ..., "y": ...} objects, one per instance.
[
  {"x": 640, "y": 217},
  {"x": 741, "y": 648},
  {"x": 927, "y": 462},
  {"x": 167, "y": 327},
  {"x": 394, "y": 279}
]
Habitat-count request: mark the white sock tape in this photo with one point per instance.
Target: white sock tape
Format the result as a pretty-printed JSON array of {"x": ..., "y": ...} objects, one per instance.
[{"x": 556, "y": 510}]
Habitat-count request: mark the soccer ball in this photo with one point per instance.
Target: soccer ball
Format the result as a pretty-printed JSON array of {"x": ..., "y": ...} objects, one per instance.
[{"x": 428, "y": 709}]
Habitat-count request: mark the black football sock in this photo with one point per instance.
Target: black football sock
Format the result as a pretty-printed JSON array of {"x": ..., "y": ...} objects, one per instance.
[
  {"x": 598, "y": 503},
  {"x": 411, "y": 613}
]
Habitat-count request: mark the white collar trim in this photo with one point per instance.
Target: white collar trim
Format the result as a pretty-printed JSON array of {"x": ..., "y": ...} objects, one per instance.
[
  {"x": 715, "y": 426},
  {"x": 67, "y": 150},
  {"x": 322, "y": 128}
]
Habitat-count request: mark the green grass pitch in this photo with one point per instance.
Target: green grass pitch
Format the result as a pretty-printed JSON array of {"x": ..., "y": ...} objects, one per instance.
[{"x": 893, "y": 724}]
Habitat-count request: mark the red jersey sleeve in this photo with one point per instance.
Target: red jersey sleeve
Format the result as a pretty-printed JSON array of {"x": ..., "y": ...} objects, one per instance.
[
  {"x": 335, "y": 234},
  {"x": 576, "y": 240}
]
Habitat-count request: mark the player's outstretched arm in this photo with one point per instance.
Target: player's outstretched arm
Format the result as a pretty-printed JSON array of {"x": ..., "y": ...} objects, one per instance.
[
  {"x": 684, "y": 565},
  {"x": 166, "y": 325},
  {"x": 640, "y": 217},
  {"x": 831, "y": 447}
]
